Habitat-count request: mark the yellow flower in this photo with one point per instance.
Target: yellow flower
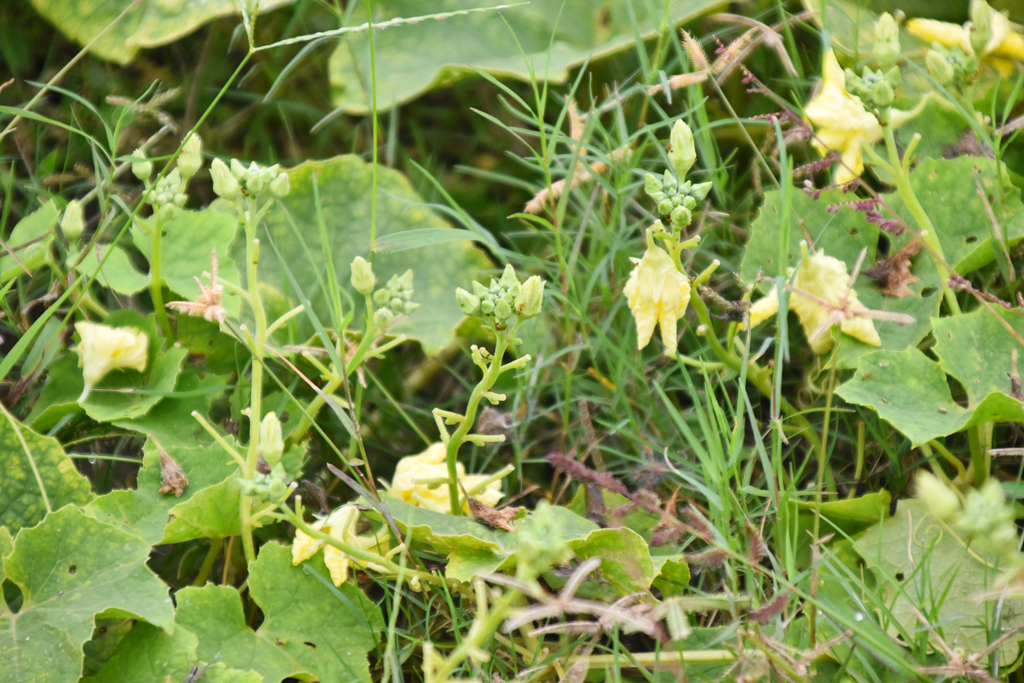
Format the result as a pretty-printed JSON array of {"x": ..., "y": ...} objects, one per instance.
[
  {"x": 103, "y": 349},
  {"x": 1004, "y": 42},
  {"x": 431, "y": 464},
  {"x": 843, "y": 124},
  {"x": 341, "y": 525},
  {"x": 657, "y": 294},
  {"x": 824, "y": 277}
]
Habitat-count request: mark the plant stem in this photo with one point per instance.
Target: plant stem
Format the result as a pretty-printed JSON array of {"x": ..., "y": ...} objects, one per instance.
[
  {"x": 479, "y": 636},
  {"x": 211, "y": 556},
  {"x": 156, "y": 282},
  {"x": 256, "y": 390},
  {"x": 456, "y": 439}
]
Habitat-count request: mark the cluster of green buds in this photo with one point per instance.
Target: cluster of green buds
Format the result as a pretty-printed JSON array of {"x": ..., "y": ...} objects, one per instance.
[
  {"x": 504, "y": 299},
  {"x": 252, "y": 181},
  {"x": 394, "y": 299},
  {"x": 876, "y": 89},
  {"x": 676, "y": 197},
  {"x": 272, "y": 486},
  {"x": 981, "y": 515},
  {"x": 168, "y": 194},
  {"x": 949, "y": 64}
]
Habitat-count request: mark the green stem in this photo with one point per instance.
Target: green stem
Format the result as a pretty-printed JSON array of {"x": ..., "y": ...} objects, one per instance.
[
  {"x": 156, "y": 282},
  {"x": 479, "y": 636},
  {"x": 256, "y": 390},
  {"x": 211, "y": 556},
  {"x": 456, "y": 439}
]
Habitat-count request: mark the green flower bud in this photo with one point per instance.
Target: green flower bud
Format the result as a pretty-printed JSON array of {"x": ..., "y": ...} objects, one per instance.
[
  {"x": 700, "y": 191},
  {"x": 681, "y": 151},
  {"x": 502, "y": 311},
  {"x": 939, "y": 67},
  {"x": 940, "y": 499},
  {"x": 255, "y": 184},
  {"x": 396, "y": 305},
  {"x": 280, "y": 186},
  {"x": 238, "y": 170},
  {"x": 72, "y": 223},
  {"x": 531, "y": 297},
  {"x": 653, "y": 185},
  {"x": 381, "y": 297},
  {"x": 141, "y": 169},
  {"x": 487, "y": 306},
  {"x": 405, "y": 281},
  {"x": 408, "y": 308},
  {"x": 887, "y": 41},
  {"x": 469, "y": 303},
  {"x": 382, "y": 318},
  {"x": 278, "y": 484},
  {"x": 508, "y": 277},
  {"x": 191, "y": 158},
  {"x": 271, "y": 439},
  {"x": 680, "y": 216},
  {"x": 225, "y": 185},
  {"x": 363, "y": 279},
  {"x": 982, "y": 25},
  {"x": 882, "y": 94},
  {"x": 665, "y": 207}
]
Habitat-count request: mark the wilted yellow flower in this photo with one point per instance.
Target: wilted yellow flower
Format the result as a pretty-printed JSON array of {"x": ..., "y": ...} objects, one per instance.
[
  {"x": 430, "y": 464},
  {"x": 826, "y": 278},
  {"x": 1004, "y": 42},
  {"x": 341, "y": 525},
  {"x": 104, "y": 348},
  {"x": 657, "y": 294}
]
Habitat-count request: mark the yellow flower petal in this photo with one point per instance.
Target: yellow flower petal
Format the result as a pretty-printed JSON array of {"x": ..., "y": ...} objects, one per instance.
[
  {"x": 430, "y": 464},
  {"x": 305, "y": 547},
  {"x": 765, "y": 307},
  {"x": 941, "y": 32},
  {"x": 337, "y": 563},
  {"x": 104, "y": 349},
  {"x": 657, "y": 293}
]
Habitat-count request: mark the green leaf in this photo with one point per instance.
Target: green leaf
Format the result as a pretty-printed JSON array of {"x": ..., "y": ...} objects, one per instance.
[
  {"x": 59, "y": 396},
  {"x": 345, "y": 194},
  {"x": 69, "y": 569},
  {"x": 916, "y": 559},
  {"x": 209, "y": 506},
  {"x": 625, "y": 558},
  {"x": 31, "y": 227},
  {"x": 842, "y": 235},
  {"x": 843, "y": 518},
  {"x": 34, "y": 466},
  {"x": 151, "y": 24},
  {"x": 214, "y": 614},
  {"x": 301, "y": 613},
  {"x": 6, "y": 545},
  {"x": 977, "y": 349},
  {"x": 414, "y": 58},
  {"x": 118, "y": 273},
  {"x": 671, "y": 574},
  {"x": 947, "y": 191},
  {"x": 108, "y": 632}
]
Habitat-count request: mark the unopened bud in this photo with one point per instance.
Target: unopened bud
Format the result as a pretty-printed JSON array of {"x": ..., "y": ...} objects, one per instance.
[
  {"x": 280, "y": 186},
  {"x": 382, "y": 318},
  {"x": 271, "y": 439},
  {"x": 363, "y": 279},
  {"x": 940, "y": 499},
  {"x": 887, "y": 41},
  {"x": 141, "y": 169},
  {"x": 681, "y": 152},
  {"x": 939, "y": 67},
  {"x": 531, "y": 296},
  {"x": 224, "y": 183},
  {"x": 191, "y": 158},
  {"x": 469, "y": 303},
  {"x": 72, "y": 224}
]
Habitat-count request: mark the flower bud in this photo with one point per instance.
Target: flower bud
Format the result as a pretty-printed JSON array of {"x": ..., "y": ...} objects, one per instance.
[
  {"x": 882, "y": 94},
  {"x": 142, "y": 169},
  {"x": 238, "y": 170},
  {"x": 508, "y": 277},
  {"x": 280, "y": 186},
  {"x": 271, "y": 439},
  {"x": 887, "y": 41},
  {"x": 191, "y": 158},
  {"x": 382, "y": 318},
  {"x": 72, "y": 224},
  {"x": 363, "y": 279},
  {"x": 681, "y": 151},
  {"x": 502, "y": 311},
  {"x": 654, "y": 186},
  {"x": 939, "y": 67},
  {"x": 469, "y": 304},
  {"x": 224, "y": 182},
  {"x": 941, "y": 501},
  {"x": 531, "y": 296}
]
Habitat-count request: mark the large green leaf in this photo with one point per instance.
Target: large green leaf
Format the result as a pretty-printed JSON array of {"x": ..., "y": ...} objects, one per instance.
[
  {"x": 152, "y": 23},
  {"x": 209, "y": 505},
  {"x": 842, "y": 235},
  {"x": 921, "y": 564},
  {"x": 977, "y": 349},
  {"x": 34, "y": 226},
  {"x": 417, "y": 57},
  {"x": 34, "y": 467},
  {"x": 214, "y": 613},
  {"x": 844, "y": 518},
  {"x": 345, "y": 190},
  {"x": 69, "y": 569},
  {"x": 948, "y": 193},
  {"x": 303, "y": 613},
  {"x": 147, "y": 653},
  {"x": 625, "y": 558}
]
